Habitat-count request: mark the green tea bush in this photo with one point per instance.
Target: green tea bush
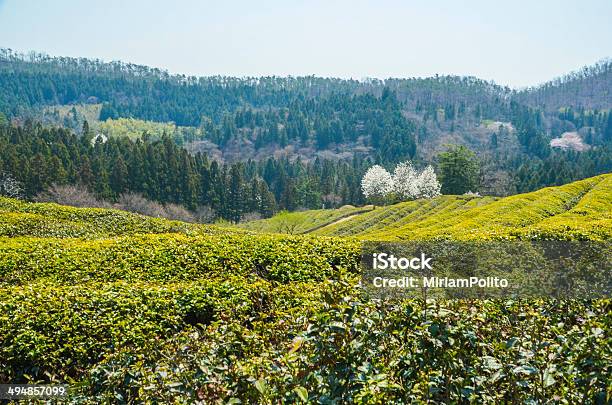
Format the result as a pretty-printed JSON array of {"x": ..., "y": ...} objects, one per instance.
[
  {"x": 19, "y": 218},
  {"x": 130, "y": 309},
  {"x": 60, "y": 330},
  {"x": 577, "y": 211},
  {"x": 354, "y": 351},
  {"x": 56, "y": 333},
  {"x": 174, "y": 257},
  {"x": 303, "y": 221}
]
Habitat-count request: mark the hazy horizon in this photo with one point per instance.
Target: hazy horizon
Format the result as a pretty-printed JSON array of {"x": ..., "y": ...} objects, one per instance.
[{"x": 517, "y": 44}]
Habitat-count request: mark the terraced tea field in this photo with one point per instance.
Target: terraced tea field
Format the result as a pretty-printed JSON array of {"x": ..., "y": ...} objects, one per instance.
[
  {"x": 124, "y": 308},
  {"x": 304, "y": 221},
  {"x": 579, "y": 211}
]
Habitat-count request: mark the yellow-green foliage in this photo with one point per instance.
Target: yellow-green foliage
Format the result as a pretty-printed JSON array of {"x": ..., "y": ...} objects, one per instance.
[
  {"x": 100, "y": 280},
  {"x": 18, "y": 218},
  {"x": 174, "y": 257},
  {"x": 303, "y": 221},
  {"x": 131, "y": 309},
  {"x": 590, "y": 215},
  {"x": 580, "y": 210},
  {"x": 63, "y": 329},
  {"x": 134, "y": 128}
]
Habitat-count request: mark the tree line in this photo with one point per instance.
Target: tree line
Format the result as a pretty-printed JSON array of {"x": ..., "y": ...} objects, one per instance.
[{"x": 39, "y": 156}]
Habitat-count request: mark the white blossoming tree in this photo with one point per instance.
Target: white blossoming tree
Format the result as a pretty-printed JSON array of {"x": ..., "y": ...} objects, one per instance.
[
  {"x": 9, "y": 187},
  {"x": 406, "y": 181},
  {"x": 405, "y": 184},
  {"x": 377, "y": 183},
  {"x": 428, "y": 184}
]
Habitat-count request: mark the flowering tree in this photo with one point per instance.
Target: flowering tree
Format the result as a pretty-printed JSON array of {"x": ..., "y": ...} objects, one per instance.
[
  {"x": 377, "y": 183},
  {"x": 406, "y": 181},
  {"x": 9, "y": 187},
  {"x": 428, "y": 184}
]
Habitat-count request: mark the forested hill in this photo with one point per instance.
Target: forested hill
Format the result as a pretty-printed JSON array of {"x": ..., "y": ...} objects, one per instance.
[
  {"x": 309, "y": 139},
  {"x": 588, "y": 88},
  {"x": 35, "y": 80}
]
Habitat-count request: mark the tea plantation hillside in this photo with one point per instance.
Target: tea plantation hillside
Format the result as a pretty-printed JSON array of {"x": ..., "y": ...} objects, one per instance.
[
  {"x": 19, "y": 218},
  {"x": 304, "y": 221},
  {"x": 579, "y": 211},
  {"x": 130, "y": 309}
]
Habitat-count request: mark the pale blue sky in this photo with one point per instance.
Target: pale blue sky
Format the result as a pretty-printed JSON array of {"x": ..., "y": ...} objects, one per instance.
[{"x": 515, "y": 43}]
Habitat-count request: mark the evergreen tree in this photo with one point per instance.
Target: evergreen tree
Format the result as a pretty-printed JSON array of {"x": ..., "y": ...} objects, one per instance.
[
  {"x": 86, "y": 176},
  {"x": 119, "y": 177},
  {"x": 235, "y": 194},
  {"x": 459, "y": 170}
]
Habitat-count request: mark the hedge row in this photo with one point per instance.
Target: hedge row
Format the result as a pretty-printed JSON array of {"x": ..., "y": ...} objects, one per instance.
[
  {"x": 20, "y": 218},
  {"x": 576, "y": 211},
  {"x": 174, "y": 257},
  {"x": 351, "y": 351},
  {"x": 59, "y": 332}
]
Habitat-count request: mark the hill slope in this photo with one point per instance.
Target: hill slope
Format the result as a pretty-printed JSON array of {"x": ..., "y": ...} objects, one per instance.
[
  {"x": 579, "y": 210},
  {"x": 516, "y": 135},
  {"x": 587, "y": 88},
  {"x": 145, "y": 310},
  {"x": 304, "y": 221},
  {"x": 48, "y": 220}
]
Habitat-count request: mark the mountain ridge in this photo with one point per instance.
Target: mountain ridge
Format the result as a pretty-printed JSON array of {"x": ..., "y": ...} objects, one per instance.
[{"x": 320, "y": 122}]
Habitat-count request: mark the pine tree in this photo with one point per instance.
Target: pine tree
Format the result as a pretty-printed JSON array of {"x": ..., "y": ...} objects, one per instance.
[
  {"x": 235, "y": 194},
  {"x": 101, "y": 182},
  {"x": 267, "y": 205},
  {"x": 119, "y": 176},
  {"x": 459, "y": 170},
  {"x": 188, "y": 182},
  {"x": 85, "y": 130}
]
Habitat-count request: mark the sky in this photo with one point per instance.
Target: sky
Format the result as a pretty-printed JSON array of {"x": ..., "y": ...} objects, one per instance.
[{"x": 516, "y": 43}]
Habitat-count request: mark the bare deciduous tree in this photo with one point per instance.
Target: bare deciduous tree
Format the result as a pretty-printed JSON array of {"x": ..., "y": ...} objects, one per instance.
[
  {"x": 205, "y": 214},
  {"x": 72, "y": 195},
  {"x": 137, "y": 203},
  {"x": 250, "y": 216},
  {"x": 178, "y": 212},
  {"x": 80, "y": 196}
]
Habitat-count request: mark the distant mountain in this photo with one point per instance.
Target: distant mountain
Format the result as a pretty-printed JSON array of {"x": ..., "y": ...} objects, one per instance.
[
  {"x": 521, "y": 137},
  {"x": 588, "y": 88}
]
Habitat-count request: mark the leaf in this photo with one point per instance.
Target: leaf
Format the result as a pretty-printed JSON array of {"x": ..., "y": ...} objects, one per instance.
[
  {"x": 262, "y": 386},
  {"x": 527, "y": 370},
  {"x": 302, "y": 393},
  {"x": 297, "y": 343},
  {"x": 491, "y": 363},
  {"x": 337, "y": 326},
  {"x": 548, "y": 378},
  {"x": 511, "y": 342}
]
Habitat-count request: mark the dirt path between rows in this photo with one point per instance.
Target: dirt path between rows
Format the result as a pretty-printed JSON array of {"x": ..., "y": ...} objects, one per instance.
[{"x": 365, "y": 209}]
